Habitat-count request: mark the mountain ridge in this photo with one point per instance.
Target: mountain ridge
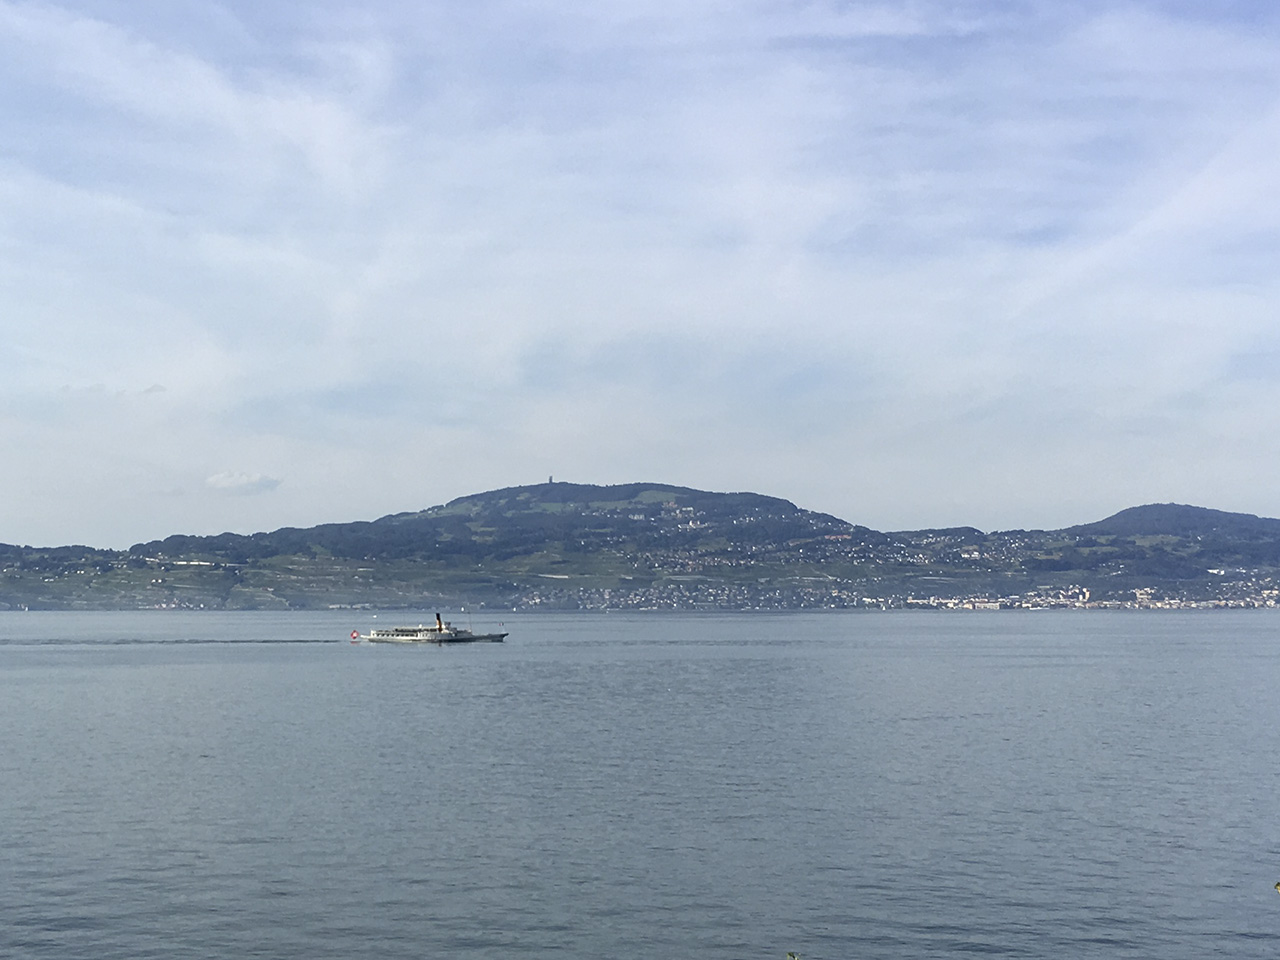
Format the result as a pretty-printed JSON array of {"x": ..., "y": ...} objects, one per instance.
[
  {"x": 653, "y": 545},
  {"x": 1151, "y": 519}
]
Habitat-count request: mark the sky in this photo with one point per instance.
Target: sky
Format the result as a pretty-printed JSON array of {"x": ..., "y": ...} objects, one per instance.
[{"x": 920, "y": 263}]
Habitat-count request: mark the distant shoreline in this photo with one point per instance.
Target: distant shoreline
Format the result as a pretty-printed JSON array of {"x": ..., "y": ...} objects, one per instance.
[{"x": 657, "y": 547}]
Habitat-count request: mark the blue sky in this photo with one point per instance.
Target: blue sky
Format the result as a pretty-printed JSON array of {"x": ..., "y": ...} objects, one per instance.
[{"x": 915, "y": 263}]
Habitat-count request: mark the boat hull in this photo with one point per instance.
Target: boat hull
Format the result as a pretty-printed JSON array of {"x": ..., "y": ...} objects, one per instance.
[{"x": 474, "y": 638}]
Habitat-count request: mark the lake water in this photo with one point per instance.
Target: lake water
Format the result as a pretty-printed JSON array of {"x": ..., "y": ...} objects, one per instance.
[{"x": 844, "y": 786}]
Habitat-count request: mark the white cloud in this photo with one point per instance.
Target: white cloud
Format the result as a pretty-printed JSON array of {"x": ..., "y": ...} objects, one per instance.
[
  {"x": 818, "y": 249},
  {"x": 242, "y": 483}
]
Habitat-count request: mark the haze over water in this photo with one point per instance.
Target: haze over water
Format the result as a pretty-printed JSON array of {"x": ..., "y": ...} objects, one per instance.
[{"x": 861, "y": 785}]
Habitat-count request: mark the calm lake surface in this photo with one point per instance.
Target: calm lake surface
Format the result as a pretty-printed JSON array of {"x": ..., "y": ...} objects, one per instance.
[{"x": 841, "y": 785}]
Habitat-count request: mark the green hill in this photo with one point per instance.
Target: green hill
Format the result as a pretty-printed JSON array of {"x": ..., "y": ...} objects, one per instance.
[
  {"x": 1180, "y": 520},
  {"x": 501, "y": 525},
  {"x": 658, "y": 546}
]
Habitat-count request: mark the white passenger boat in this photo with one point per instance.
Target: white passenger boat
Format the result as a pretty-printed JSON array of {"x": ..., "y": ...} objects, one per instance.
[{"x": 442, "y": 631}]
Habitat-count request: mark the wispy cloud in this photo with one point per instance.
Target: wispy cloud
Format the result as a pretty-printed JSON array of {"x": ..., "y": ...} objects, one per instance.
[
  {"x": 822, "y": 249},
  {"x": 242, "y": 484}
]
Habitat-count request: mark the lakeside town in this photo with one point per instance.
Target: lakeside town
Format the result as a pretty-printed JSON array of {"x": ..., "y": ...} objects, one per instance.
[{"x": 1254, "y": 593}]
